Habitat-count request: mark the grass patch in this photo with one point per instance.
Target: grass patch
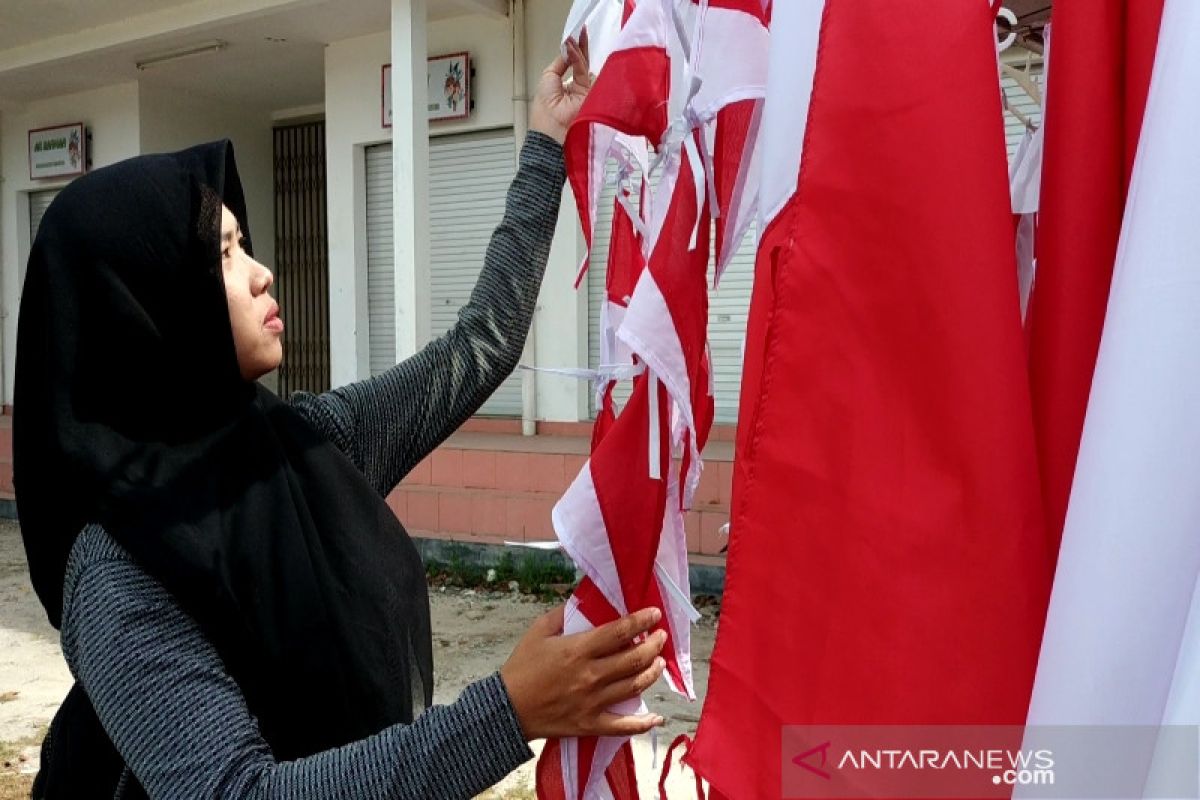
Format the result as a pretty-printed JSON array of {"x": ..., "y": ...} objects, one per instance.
[
  {"x": 546, "y": 575},
  {"x": 13, "y": 785}
]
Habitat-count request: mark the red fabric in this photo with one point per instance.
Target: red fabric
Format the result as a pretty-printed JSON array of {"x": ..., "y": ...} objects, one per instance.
[
  {"x": 621, "y": 777},
  {"x": 887, "y": 561},
  {"x": 625, "y": 260},
  {"x": 626, "y": 96},
  {"x": 632, "y": 503},
  {"x": 1103, "y": 56},
  {"x": 730, "y": 155}
]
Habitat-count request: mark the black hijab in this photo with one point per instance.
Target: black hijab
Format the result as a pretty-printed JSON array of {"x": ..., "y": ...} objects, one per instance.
[{"x": 130, "y": 412}]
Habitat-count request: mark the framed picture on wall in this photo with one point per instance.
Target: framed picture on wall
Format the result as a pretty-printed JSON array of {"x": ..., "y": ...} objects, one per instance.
[
  {"x": 449, "y": 80},
  {"x": 57, "y": 152}
]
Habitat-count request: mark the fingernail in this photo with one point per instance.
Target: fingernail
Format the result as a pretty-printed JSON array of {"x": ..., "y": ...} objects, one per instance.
[
  {"x": 659, "y": 722},
  {"x": 655, "y": 615},
  {"x": 659, "y": 662}
]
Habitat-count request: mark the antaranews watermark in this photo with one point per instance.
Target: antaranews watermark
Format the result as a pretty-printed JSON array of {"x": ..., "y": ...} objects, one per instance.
[{"x": 985, "y": 761}]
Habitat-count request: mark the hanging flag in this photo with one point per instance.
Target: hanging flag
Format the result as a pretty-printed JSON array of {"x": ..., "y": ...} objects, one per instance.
[
  {"x": 626, "y": 103},
  {"x": 1103, "y": 54},
  {"x": 672, "y": 73},
  {"x": 887, "y": 560},
  {"x": 1122, "y": 640}
]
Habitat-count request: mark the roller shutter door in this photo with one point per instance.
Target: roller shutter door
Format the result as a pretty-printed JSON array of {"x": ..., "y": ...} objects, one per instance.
[
  {"x": 38, "y": 203},
  {"x": 381, "y": 279},
  {"x": 469, "y": 177}
]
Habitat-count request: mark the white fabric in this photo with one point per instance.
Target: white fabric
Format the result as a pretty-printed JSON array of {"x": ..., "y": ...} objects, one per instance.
[
  {"x": 649, "y": 331},
  {"x": 727, "y": 63},
  {"x": 577, "y": 518},
  {"x": 789, "y": 91},
  {"x": 743, "y": 205},
  {"x": 1122, "y": 644},
  {"x": 1026, "y": 261},
  {"x": 671, "y": 571},
  {"x": 603, "y": 21},
  {"x": 1025, "y": 174},
  {"x": 574, "y": 621}
]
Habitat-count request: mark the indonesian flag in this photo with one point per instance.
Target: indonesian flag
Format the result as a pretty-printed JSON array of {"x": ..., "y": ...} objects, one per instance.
[
  {"x": 620, "y": 520},
  {"x": 672, "y": 72},
  {"x": 729, "y": 91},
  {"x": 887, "y": 561},
  {"x": 1103, "y": 55},
  {"x": 627, "y": 103},
  {"x": 1122, "y": 641}
]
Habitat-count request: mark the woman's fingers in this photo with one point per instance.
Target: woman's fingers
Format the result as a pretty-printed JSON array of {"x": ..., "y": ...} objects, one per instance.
[
  {"x": 579, "y": 63},
  {"x": 616, "y": 636},
  {"x": 550, "y": 623},
  {"x": 633, "y": 660},
  {"x": 609, "y": 724},
  {"x": 628, "y": 688}
]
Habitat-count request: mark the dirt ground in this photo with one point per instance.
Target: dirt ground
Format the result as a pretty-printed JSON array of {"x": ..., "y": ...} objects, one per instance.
[{"x": 473, "y": 633}]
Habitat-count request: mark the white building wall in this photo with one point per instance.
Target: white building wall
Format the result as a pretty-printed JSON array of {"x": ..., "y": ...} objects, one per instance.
[
  {"x": 111, "y": 113},
  {"x": 489, "y": 41},
  {"x": 352, "y": 109}
]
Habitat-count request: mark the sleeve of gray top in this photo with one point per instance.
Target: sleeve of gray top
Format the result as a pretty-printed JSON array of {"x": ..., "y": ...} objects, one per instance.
[
  {"x": 388, "y": 423},
  {"x": 183, "y": 728}
]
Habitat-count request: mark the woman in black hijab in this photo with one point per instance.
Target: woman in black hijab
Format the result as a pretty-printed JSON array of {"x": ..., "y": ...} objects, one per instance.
[{"x": 242, "y": 612}]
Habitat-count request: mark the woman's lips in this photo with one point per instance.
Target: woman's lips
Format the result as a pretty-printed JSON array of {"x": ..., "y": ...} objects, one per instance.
[{"x": 273, "y": 321}]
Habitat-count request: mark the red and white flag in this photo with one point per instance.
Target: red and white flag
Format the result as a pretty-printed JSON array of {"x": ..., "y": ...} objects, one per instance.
[
  {"x": 887, "y": 559},
  {"x": 621, "y": 520},
  {"x": 1103, "y": 55},
  {"x": 1122, "y": 640}
]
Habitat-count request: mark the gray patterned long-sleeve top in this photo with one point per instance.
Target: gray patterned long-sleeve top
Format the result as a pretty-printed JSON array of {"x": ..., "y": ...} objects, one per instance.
[{"x": 158, "y": 686}]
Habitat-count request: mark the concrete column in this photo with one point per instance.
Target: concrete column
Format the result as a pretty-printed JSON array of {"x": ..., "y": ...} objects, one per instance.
[
  {"x": 410, "y": 175},
  {"x": 562, "y": 312}
]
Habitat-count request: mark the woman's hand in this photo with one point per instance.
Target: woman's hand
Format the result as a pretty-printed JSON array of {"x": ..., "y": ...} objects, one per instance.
[
  {"x": 562, "y": 685},
  {"x": 555, "y": 103}
]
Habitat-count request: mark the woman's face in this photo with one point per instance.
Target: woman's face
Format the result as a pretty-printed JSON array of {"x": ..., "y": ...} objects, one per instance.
[{"x": 253, "y": 313}]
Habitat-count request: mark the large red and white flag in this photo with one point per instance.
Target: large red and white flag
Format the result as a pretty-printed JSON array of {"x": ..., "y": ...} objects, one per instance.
[
  {"x": 663, "y": 87},
  {"x": 1122, "y": 640},
  {"x": 887, "y": 560},
  {"x": 1103, "y": 54}
]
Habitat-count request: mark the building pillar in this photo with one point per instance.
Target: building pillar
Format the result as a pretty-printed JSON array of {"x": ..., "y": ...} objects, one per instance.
[{"x": 410, "y": 175}]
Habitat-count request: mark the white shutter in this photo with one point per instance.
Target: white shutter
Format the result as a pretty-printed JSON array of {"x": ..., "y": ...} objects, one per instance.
[
  {"x": 381, "y": 278},
  {"x": 469, "y": 176},
  {"x": 1014, "y": 129},
  {"x": 728, "y": 311},
  {"x": 38, "y": 203},
  {"x": 728, "y": 308}
]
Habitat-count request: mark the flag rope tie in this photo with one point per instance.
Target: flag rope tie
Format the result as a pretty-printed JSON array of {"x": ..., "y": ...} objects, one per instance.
[{"x": 684, "y": 741}]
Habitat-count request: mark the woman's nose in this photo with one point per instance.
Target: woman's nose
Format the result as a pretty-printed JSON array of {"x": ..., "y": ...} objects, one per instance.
[{"x": 264, "y": 277}]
